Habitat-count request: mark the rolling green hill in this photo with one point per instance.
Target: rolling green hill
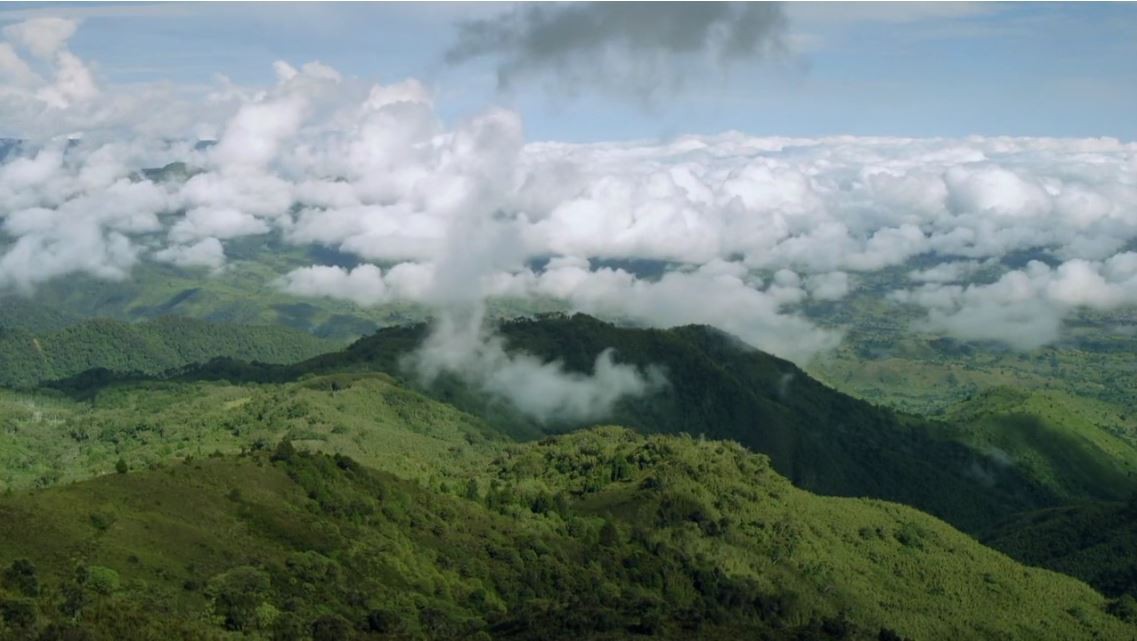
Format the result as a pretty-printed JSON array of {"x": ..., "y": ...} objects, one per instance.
[
  {"x": 602, "y": 534},
  {"x": 28, "y": 358}
]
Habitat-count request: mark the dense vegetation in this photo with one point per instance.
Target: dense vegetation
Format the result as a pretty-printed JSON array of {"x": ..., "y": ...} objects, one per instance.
[
  {"x": 29, "y": 357},
  {"x": 602, "y": 534}
]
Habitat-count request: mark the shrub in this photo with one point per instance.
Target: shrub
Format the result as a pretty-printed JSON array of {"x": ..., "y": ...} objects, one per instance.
[{"x": 102, "y": 580}]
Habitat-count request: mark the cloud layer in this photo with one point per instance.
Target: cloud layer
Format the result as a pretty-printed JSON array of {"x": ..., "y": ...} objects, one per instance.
[{"x": 730, "y": 230}]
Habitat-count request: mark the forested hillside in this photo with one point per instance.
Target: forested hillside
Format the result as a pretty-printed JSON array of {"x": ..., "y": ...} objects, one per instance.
[{"x": 598, "y": 535}]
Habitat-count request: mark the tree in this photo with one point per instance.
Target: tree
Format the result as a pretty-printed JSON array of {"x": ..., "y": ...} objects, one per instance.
[
  {"x": 18, "y": 613},
  {"x": 609, "y": 535},
  {"x": 121, "y": 467},
  {"x": 331, "y": 627},
  {"x": 283, "y": 452},
  {"x": 621, "y": 469},
  {"x": 237, "y": 594}
]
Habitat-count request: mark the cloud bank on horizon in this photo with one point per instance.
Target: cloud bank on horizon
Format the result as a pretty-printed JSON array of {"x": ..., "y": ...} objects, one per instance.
[{"x": 749, "y": 228}]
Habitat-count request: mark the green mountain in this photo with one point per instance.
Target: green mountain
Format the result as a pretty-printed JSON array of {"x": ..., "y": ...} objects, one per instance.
[
  {"x": 30, "y": 357},
  {"x": 824, "y": 441},
  {"x": 602, "y": 534}
]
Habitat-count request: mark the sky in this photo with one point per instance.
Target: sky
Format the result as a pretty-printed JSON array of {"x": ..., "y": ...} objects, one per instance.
[
  {"x": 760, "y": 157},
  {"x": 866, "y": 69}
]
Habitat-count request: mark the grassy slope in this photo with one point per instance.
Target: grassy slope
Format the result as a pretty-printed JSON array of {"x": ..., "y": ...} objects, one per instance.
[{"x": 700, "y": 532}]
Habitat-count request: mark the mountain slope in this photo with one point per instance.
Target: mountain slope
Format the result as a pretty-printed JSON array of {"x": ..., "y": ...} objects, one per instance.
[
  {"x": 598, "y": 535},
  {"x": 822, "y": 440}
]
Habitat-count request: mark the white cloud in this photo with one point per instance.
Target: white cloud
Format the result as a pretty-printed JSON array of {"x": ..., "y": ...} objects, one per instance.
[
  {"x": 221, "y": 223},
  {"x": 462, "y": 344},
  {"x": 43, "y": 37},
  {"x": 362, "y": 285},
  {"x": 1024, "y": 308},
  {"x": 13, "y": 69},
  {"x": 828, "y": 286},
  {"x": 687, "y": 225},
  {"x": 207, "y": 252},
  {"x": 947, "y": 272}
]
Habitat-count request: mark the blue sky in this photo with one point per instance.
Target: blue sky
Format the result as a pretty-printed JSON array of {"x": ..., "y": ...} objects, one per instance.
[{"x": 861, "y": 69}]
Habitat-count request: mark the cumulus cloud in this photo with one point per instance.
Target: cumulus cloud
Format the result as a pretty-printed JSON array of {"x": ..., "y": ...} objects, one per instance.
[
  {"x": 1025, "y": 308},
  {"x": 828, "y": 286},
  {"x": 946, "y": 272},
  {"x": 13, "y": 68},
  {"x": 732, "y": 230},
  {"x": 363, "y": 285},
  {"x": 207, "y": 252},
  {"x": 624, "y": 48},
  {"x": 43, "y": 37}
]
